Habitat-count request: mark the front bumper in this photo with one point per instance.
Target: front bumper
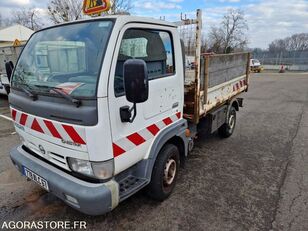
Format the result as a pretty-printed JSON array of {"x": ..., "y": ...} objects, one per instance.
[
  {"x": 257, "y": 69},
  {"x": 93, "y": 199}
]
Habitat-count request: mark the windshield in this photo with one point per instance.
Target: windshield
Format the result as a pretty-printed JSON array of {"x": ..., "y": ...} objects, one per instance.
[
  {"x": 255, "y": 61},
  {"x": 68, "y": 58}
]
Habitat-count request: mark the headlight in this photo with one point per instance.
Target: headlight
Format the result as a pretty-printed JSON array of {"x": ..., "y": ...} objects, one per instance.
[{"x": 99, "y": 170}]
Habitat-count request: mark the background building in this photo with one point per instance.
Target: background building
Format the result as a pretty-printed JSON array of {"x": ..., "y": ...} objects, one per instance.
[
  {"x": 12, "y": 39},
  {"x": 10, "y": 34}
]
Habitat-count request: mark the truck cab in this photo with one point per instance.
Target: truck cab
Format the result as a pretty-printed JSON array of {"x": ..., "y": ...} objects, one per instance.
[{"x": 95, "y": 102}]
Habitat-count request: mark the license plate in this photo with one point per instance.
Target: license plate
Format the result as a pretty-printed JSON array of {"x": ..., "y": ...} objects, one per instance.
[{"x": 36, "y": 178}]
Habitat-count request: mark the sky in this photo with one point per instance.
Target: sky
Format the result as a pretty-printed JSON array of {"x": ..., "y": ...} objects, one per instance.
[{"x": 267, "y": 19}]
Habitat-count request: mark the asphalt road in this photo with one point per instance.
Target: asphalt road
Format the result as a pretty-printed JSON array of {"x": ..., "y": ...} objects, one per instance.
[{"x": 255, "y": 180}]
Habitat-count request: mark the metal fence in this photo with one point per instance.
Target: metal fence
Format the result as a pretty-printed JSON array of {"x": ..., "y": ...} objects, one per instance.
[{"x": 282, "y": 58}]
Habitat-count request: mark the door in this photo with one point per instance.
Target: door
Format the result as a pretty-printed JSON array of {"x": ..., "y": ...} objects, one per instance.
[{"x": 154, "y": 45}]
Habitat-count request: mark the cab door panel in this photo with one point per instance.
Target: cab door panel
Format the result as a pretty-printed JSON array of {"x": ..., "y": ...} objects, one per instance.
[
  {"x": 131, "y": 141},
  {"x": 162, "y": 97}
]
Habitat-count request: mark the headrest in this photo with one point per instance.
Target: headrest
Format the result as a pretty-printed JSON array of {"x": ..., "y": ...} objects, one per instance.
[
  {"x": 156, "y": 49},
  {"x": 155, "y": 46}
]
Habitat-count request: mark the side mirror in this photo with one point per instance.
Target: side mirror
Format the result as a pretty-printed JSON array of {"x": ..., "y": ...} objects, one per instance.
[
  {"x": 136, "y": 82},
  {"x": 136, "y": 85},
  {"x": 9, "y": 67}
]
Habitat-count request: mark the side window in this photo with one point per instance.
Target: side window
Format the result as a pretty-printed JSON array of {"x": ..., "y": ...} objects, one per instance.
[
  {"x": 153, "y": 46},
  {"x": 168, "y": 45}
]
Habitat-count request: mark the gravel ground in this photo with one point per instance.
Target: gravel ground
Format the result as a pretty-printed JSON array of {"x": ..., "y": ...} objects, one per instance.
[{"x": 255, "y": 180}]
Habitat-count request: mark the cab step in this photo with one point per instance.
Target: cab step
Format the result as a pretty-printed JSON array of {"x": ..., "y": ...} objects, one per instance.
[{"x": 129, "y": 185}]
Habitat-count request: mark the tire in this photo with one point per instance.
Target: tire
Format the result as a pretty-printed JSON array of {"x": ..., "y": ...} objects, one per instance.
[
  {"x": 7, "y": 89},
  {"x": 226, "y": 130},
  {"x": 162, "y": 184}
]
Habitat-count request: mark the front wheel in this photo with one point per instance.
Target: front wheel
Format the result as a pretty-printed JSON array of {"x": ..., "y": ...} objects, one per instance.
[
  {"x": 227, "y": 129},
  {"x": 164, "y": 173}
]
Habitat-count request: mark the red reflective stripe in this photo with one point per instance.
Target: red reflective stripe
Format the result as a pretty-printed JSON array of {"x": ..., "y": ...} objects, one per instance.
[
  {"x": 14, "y": 114},
  {"x": 179, "y": 114},
  {"x": 52, "y": 129},
  {"x": 117, "y": 151},
  {"x": 136, "y": 139},
  {"x": 35, "y": 126},
  {"x": 23, "y": 119},
  {"x": 153, "y": 129},
  {"x": 167, "y": 121},
  {"x": 73, "y": 134}
]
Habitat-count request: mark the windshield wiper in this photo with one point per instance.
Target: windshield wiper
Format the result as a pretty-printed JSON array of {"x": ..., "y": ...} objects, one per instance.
[
  {"x": 64, "y": 95},
  {"x": 26, "y": 90}
]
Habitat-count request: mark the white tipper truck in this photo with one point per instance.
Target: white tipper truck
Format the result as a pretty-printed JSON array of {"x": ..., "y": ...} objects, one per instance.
[{"x": 105, "y": 107}]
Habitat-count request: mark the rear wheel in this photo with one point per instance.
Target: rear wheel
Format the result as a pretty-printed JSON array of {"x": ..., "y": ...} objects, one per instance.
[
  {"x": 226, "y": 130},
  {"x": 164, "y": 173}
]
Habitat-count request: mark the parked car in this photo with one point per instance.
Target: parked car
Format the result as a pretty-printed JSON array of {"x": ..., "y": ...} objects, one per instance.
[
  {"x": 255, "y": 66},
  {"x": 4, "y": 84}
]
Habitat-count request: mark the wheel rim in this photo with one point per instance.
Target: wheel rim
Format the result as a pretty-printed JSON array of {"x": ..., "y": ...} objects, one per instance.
[
  {"x": 170, "y": 172},
  {"x": 231, "y": 121}
]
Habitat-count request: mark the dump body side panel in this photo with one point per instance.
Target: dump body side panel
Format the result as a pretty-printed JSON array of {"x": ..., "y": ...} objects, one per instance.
[{"x": 222, "y": 78}]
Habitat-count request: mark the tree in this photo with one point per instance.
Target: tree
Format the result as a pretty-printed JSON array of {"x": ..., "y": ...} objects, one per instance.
[
  {"x": 277, "y": 46},
  {"x": 297, "y": 42},
  {"x": 65, "y": 10},
  {"x": 28, "y": 18},
  {"x": 120, "y": 6},
  {"x": 231, "y": 35},
  {"x": 216, "y": 39},
  {"x": 70, "y": 10},
  {"x": 204, "y": 44}
]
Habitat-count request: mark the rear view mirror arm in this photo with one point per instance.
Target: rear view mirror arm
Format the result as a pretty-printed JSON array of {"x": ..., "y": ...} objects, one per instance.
[{"x": 126, "y": 113}]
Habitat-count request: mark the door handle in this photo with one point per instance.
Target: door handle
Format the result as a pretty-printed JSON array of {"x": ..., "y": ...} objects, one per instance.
[{"x": 175, "y": 105}]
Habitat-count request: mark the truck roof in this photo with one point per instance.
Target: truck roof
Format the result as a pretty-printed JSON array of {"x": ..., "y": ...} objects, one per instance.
[
  {"x": 123, "y": 19},
  {"x": 128, "y": 18}
]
